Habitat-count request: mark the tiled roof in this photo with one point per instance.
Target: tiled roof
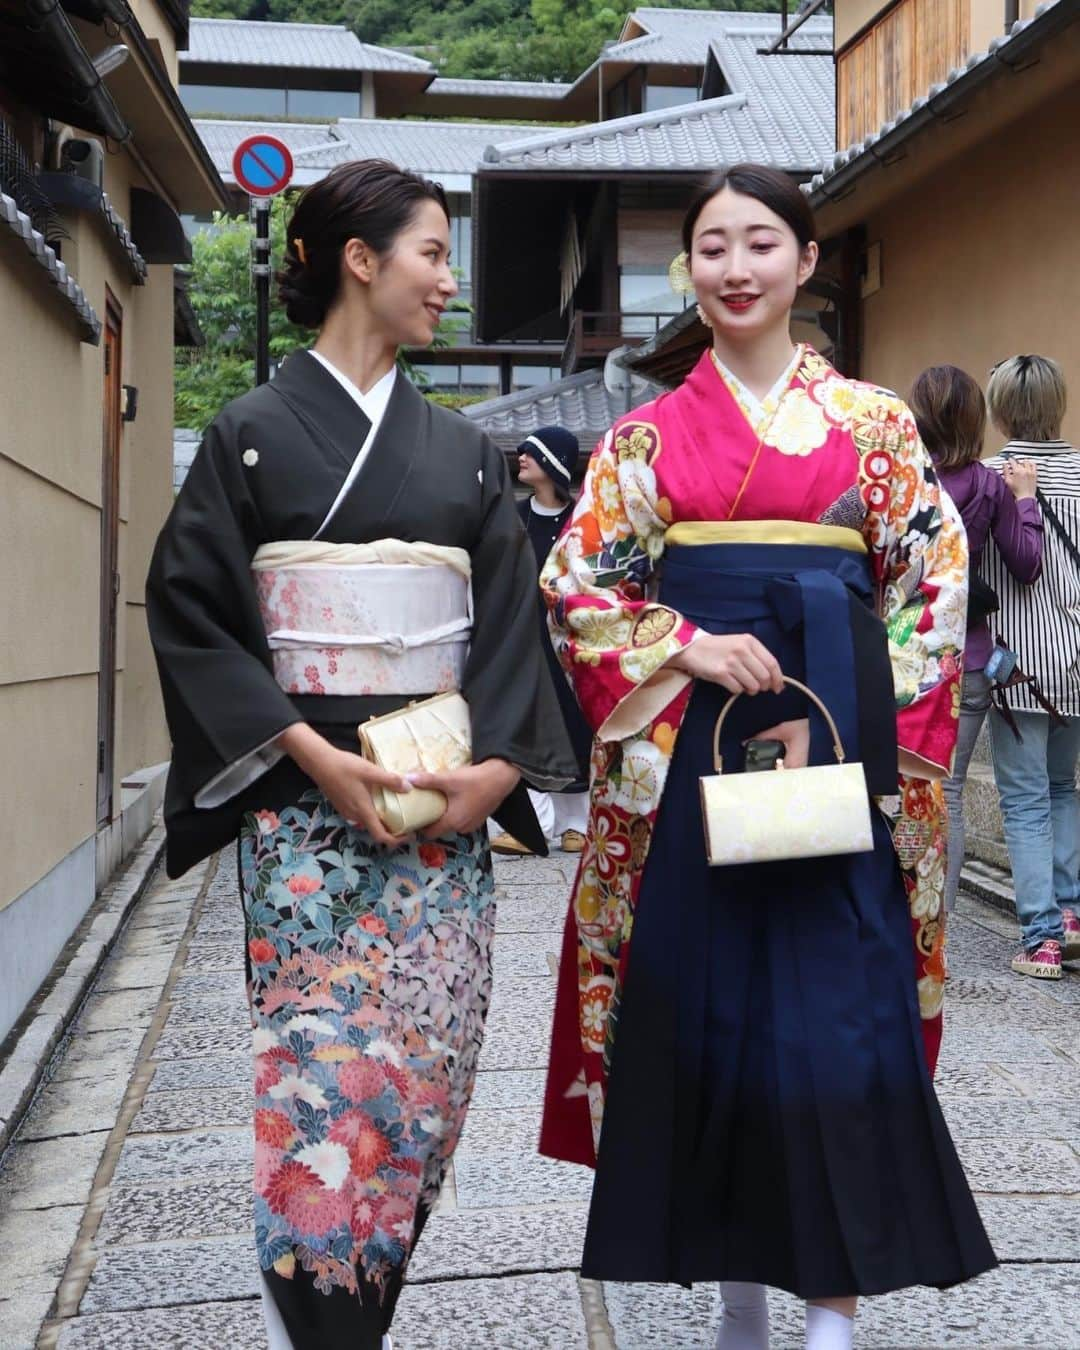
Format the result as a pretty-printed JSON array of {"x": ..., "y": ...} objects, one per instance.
[
  {"x": 311, "y": 46},
  {"x": 689, "y": 138},
  {"x": 682, "y": 36},
  {"x": 780, "y": 110},
  {"x": 580, "y": 403},
  {"x": 498, "y": 88},
  {"x": 1004, "y": 53},
  {"x": 425, "y": 147},
  {"x": 22, "y": 227},
  {"x": 790, "y": 97},
  {"x": 222, "y": 137}
]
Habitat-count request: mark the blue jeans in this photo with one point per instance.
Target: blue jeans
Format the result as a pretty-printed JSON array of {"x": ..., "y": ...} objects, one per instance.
[
  {"x": 974, "y": 704},
  {"x": 1036, "y": 780}
]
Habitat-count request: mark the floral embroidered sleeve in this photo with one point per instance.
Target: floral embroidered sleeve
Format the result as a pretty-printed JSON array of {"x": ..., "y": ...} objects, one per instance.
[
  {"x": 920, "y": 555},
  {"x": 612, "y": 641}
]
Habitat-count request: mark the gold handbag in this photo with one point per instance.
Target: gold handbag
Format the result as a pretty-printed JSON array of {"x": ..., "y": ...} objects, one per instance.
[
  {"x": 786, "y": 813},
  {"x": 432, "y": 736}
]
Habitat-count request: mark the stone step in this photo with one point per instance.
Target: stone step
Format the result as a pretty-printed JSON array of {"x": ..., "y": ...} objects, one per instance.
[{"x": 993, "y": 885}]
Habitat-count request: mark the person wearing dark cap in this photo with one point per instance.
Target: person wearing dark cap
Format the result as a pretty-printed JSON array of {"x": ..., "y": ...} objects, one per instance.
[{"x": 546, "y": 462}]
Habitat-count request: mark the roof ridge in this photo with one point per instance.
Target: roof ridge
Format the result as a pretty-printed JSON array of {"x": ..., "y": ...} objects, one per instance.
[
  {"x": 280, "y": 23},
  {"x": 422, "y": 122},
  {"x": 614, "y": 126}
]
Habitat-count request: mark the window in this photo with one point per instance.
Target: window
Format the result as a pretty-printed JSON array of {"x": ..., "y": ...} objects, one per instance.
[
  {"x": 480, "y": 380},
  {"x": 224, "y": 98},
  {"x": 323, "y": 103},
  {"x": 461, "y": 240},
  {"x": 531, "y": 377},
  {"x": 658, "y": 96}
]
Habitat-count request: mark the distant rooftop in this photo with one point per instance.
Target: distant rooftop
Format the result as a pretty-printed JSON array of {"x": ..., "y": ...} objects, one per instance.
[
  {"x": 580, "y": 403},
  {"x": 449, "y": 151},
  {"x": 498, "y": 88},
  {"x": 313, "y": 46},
  {"x": 687, "y": 138},
  {"x": 681, "y": 37}
]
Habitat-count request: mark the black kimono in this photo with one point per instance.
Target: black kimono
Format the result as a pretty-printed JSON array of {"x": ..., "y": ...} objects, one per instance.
[{"x": 369, "y": 968}]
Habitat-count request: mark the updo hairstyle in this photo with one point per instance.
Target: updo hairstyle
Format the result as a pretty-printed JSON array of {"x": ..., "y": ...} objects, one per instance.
[
  {"x": 770, "y": 187},
  {"x": 368, "y": 199}
]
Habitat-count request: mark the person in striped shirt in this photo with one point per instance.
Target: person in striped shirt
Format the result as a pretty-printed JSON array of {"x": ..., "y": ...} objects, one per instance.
[{"x": 1036, "y": 769}]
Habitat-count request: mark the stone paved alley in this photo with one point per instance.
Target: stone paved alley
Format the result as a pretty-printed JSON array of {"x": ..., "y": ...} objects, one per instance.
[{"x": 124, "y": 1197}]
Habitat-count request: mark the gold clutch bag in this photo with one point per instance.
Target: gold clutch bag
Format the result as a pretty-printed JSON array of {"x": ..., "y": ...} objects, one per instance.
[
  {"x": 432, "y": 736},
  {"x": 786, "y": 813}
]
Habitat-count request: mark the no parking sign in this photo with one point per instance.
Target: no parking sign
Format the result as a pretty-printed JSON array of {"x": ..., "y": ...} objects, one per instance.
[{"x": 262, "y": 165}]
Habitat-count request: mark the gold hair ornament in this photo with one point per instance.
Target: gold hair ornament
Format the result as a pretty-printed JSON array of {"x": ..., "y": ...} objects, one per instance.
[
  {"x": 679, "y": 278},
  {"x": 298, "y": 249}
]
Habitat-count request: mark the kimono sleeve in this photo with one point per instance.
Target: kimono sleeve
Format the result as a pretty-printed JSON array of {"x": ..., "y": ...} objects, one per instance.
[
  {"x": 223, "y": 706},
  {"x": 515, "y": 713},
  {"x": 614, "y": 643},
  {"x": 920, "y": 552}
]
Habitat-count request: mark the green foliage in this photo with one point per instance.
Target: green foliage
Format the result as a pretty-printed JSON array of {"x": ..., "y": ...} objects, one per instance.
[
  {"x": 222, "y": 295},
  {"x": 483, "y": 39},
  {"x": 223, "y": 298}
]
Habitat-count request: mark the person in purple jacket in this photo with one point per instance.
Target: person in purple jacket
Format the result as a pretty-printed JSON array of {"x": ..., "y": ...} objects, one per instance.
[{"x": 950, "y": 412}]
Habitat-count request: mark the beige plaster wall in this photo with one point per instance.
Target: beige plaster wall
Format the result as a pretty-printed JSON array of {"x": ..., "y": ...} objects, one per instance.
[
  {"x": 979, "y": 260},
  {"x": 50, "y": 522},
  {"x": 49, "y": 730},
  {"x": 149, "y": 448},
  {"x": 850, "y": 16}
]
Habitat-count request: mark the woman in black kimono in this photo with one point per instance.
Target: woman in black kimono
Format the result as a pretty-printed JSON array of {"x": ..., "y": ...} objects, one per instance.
[{"x": 340, "y": 547}]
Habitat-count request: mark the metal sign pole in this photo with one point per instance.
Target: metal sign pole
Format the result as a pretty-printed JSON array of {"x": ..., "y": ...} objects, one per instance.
[{"x": 260, "y": 271}]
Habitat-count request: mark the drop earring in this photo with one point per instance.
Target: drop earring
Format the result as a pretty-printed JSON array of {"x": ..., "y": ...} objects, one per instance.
[{"x": 703, "y": 317}]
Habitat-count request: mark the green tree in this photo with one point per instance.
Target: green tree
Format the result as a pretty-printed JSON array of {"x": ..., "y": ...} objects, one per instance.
[{"x": 222, "y": 295}]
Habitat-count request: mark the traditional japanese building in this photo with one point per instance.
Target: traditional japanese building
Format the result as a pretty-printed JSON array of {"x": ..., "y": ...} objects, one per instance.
[
  {"x": 953, "y": 190},
  {"x": 97, "y": 159}
]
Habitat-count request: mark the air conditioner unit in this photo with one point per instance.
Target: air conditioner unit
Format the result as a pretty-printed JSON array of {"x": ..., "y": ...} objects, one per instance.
[{"x": 84, "y": 159}]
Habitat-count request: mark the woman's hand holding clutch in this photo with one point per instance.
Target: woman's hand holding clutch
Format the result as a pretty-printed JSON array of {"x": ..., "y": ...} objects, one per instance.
[
  {"x": 346, "y": 779},
  {"x": 738, "y": 661},
  {"x": 472, "y": 793}
]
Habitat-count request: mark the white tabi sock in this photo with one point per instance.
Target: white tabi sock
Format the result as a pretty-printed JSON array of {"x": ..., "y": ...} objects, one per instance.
[
  {"x": 827, "y": 1329},
  {"x": 744, "y": 1324},
  {"x": 387, "y": 1343}
]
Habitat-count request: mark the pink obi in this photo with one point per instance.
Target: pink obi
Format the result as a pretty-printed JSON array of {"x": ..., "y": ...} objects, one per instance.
[{"x": 380, "y": 618}]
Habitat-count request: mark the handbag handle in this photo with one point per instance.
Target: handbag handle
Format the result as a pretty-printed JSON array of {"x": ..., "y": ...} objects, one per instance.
[{"x": 838, "y": 749}]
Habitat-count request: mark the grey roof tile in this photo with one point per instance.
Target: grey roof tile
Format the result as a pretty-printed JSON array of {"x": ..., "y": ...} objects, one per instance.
[
  {"x": 425, "y": 147},
  {"x": 222, "y": 137},
  {"x": 20, "y": 225},
  {"x": 690, "y": 138},
  {"x": 498, "y": 88},
  {"x": 580, "y": 403},
  {"x": 313, "y": 46},
  {"x": 682, "y": 36}
]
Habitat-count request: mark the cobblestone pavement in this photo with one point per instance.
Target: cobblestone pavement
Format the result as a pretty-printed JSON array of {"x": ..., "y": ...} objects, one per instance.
[{"x": 124, "y": 1210}]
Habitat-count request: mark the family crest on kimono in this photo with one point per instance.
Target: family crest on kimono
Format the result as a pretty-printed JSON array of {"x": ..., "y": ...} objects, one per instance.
[
  {"x": 744, "y": 1053},
  {"x": 340, "y": 547}
]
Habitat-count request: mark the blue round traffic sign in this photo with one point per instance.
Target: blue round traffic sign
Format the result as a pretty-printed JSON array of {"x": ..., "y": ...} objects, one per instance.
[{"x": 262, "y": 165}]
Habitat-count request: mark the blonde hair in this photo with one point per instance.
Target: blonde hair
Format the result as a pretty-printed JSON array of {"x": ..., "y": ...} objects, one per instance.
[
  {"x": 1026, "y": 395},
  {"x": 950, "y": 413}
]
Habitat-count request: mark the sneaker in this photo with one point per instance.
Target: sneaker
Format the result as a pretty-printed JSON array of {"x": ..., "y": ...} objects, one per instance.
[
  {"x": 1070, "y": 938},
  {"x": 1044, "y": 962},
  {"x": 573, "y": 841},
  {"x": 507, "y": 845}
]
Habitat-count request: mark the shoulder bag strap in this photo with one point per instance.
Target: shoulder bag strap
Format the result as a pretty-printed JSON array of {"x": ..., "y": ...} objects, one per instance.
[{"x": 1051, "y": 515}]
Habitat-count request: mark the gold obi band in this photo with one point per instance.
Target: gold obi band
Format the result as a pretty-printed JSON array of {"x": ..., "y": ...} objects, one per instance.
[
  {"x": 691, "y": 532},
  {"x": 389, "y": 617}
]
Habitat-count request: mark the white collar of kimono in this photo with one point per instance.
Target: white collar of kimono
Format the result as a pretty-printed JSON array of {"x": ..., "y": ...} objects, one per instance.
[
  {"x": 756, "y": 409},
  {"x": 373, "y": 405}
]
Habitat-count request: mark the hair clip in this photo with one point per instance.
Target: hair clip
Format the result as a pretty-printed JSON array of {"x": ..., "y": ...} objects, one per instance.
[
  {"x": 679, "y": 278},
  {"x": 298, "y": 249}
]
